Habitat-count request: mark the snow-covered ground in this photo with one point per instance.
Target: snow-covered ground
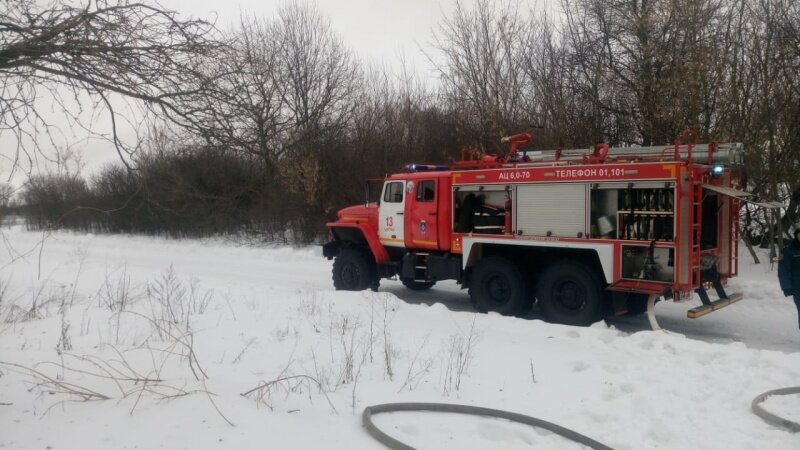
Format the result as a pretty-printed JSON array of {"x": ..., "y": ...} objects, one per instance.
[{"x": 160, "y": 338}]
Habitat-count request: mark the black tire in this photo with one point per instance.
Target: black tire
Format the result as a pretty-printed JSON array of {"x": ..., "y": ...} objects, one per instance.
[
  {"x": 354, "y": 270},
  {"x": 417, "y": 285},
  {"x": 497, "y": 285},
  {"x": 570, "y": 293}
]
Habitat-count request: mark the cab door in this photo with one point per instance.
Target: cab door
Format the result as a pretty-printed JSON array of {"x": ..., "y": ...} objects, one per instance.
[
  {"x": 391, "y": 213},
  {"x": 422, "y": 231}
]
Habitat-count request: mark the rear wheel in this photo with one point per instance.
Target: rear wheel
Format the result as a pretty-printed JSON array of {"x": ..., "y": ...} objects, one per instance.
[
  {"x": 417, "y": 285},
  {"x": 497, "y": 285},
  {"x": 570, "y": 293},
  {"x": 354, "y": 270}
]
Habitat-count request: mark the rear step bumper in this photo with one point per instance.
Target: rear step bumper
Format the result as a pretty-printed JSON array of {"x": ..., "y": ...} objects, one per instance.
[{"x": 702, "y": 310}]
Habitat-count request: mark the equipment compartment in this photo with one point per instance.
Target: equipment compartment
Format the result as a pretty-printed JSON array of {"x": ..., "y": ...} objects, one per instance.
[
  {"x": 480, "y": 209},
  {"x": 633, "y": 211},
  {"x": 639, "y": 264}
]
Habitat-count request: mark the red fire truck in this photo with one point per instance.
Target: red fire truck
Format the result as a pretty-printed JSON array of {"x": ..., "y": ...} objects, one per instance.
[{"x": 583, "y": 232}]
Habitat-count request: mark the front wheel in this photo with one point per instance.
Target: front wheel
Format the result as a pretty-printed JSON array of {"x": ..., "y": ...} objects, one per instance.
[
  {"x": 497, "y": 285},
  {"x": 571, "y": 294},
  {"x": 354, "y": 270}
]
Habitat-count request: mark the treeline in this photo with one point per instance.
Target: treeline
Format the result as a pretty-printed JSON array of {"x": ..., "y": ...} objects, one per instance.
[
  {"x": 204, "y": 191},
  {"x": 199, "y": 192},
  {"x": 295, "y": 122}
]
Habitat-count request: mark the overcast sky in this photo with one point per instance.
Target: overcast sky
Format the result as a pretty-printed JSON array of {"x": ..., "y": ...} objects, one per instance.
[
  {"x": 377, "y": 30},
  {"x": 380, "y": 31}
]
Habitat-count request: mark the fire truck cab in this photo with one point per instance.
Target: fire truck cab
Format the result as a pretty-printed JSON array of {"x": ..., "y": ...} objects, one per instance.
[{"x": 582, "y": 232}]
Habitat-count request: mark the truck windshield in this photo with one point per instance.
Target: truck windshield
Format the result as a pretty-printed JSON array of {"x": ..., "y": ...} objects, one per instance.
[{"x": 373, "y": 188}]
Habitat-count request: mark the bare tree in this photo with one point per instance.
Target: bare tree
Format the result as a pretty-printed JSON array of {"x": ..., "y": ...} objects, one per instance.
[
  {"x": 247, "y": 112},
  {"x": 285, "y": 80},
  {"x": 286, "y": 96},
  {"x": 652, "y": 65},
  {"x": 770, "y": 119},
  {"x": 562, "y": 95},
  {"x": 318, "y": 79},
  {"x": 6, "y": 191},
  {"x": 478, "y": 54},
  {"x": 318, "y": 73},
  {"x": 86, "y": 56}
]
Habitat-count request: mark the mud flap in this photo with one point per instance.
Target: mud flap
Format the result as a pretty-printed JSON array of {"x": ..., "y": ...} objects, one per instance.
[{"x": 651, "y": 314}]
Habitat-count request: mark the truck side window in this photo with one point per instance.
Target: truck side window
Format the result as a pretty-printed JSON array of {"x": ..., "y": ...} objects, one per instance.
[
  {"x": 426, "y": 191},
  {"x": 394, "y": 192}
]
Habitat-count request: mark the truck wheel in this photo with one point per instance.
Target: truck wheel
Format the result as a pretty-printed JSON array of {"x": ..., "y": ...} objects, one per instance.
[
  {"x": 497, "y": 285},
  {"x": 354, "y": 270},
  {"x": 571, "y": 294},
  {"x": 417, "y": 285}
]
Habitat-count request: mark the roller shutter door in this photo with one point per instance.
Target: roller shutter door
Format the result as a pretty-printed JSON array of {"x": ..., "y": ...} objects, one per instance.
[{"x": 559, "y": 209}]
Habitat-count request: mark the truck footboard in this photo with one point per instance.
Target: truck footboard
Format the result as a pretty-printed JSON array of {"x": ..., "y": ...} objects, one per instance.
[{"x": 702, "y": 310}]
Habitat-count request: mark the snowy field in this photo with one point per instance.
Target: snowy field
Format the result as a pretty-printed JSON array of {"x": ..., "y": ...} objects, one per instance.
[{"x": 132, "y": 342}]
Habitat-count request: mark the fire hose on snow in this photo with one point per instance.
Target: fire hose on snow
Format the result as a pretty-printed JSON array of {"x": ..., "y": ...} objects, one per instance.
[
  {"x": 394, "y": 444},
  {"x": 564, "y": 432},
  {"x": 770, "y": 418}
]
